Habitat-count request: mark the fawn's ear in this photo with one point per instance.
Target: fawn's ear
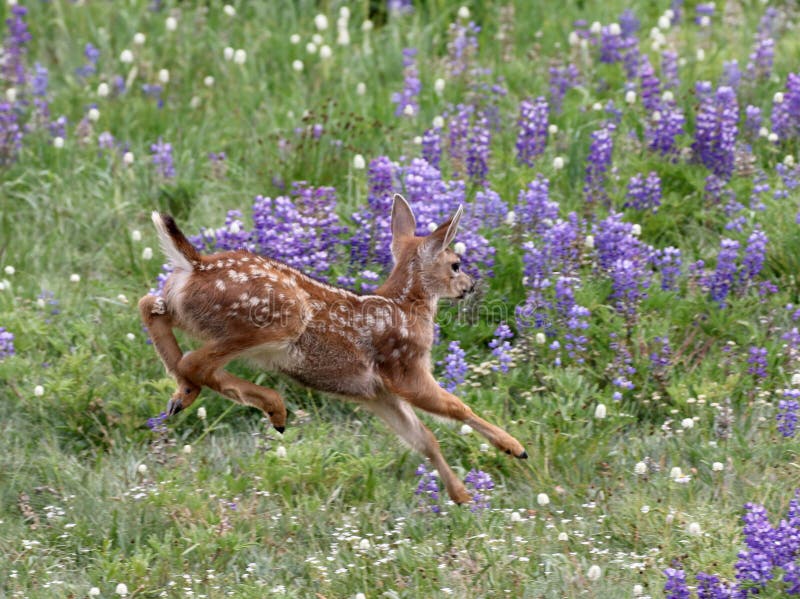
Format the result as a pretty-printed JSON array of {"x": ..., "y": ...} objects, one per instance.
[
  {"x": 403, "y": 222},
  {"x": 442, "y": 237}
]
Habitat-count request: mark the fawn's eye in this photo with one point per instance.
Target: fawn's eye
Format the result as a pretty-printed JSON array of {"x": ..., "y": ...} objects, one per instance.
[{"x": 456, "y": 266}]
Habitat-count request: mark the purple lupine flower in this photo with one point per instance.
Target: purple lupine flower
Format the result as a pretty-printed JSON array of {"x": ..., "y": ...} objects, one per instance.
[
  {"x": 532, "y": 136},
  {"x": 462, "y": 47},
  {"x": 724, "y": 278},
  {"x": 10, "y": 133},
  {"x": 709, "y": 587},
  {"x": 630, "y": 279},
  {"x": 428, "y": 489},
  {"x": 500, "y": 347},
  {"x": 760, "y": 61},
  {"x": 92, "y": 55},
  {"x": 162, "y": 159},
  {"x": 661, "y": 356},
  {"x": 157, "y": 424},
  {"x": 432, "y": 146},
  {"x": 478, "y": 149},
  {"x": 669, "y": 69},
  {"x": 668, "y": 262},
  {"x": 675, "y": 586},
  {"x": 731, "y": 74},
  {"x": 455, "y": 367},
  {"x": 650, "y": 85},
  {"x": 754, "y": 255},
  {"x": 628, "y": 23},
  {"x": 6, "y": 343},
  {"x": 786, "y": 416},
  {"x": 459, "y": 127},
  {"x": 489, "y": 209},
  {"x": 663, "y": 127},
  {"x": 400, "y": 7},
  {"x": 408, "y": 100},
  {"x": 644, "y": 194},
  {"x": 757, "y": 361},
  {"x": 535, "y": 208},
  {"x": 562, "y": 79},
  {"x": 40, "y": 80},
  {"x": 786, "y": 112},
  {"x": 716, "y": 128},
  {"x": 621, "y": 367},
  {"x": 704, "y": 9},
  {"x": 598, "y": 162},
  {"x": 753, "y": 119},
  {"x": 480, "y": 483},
  {"x": 14, "y": 50}
]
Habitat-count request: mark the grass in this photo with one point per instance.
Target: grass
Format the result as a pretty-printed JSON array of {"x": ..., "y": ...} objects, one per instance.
[{"x": 222, "y": 506}]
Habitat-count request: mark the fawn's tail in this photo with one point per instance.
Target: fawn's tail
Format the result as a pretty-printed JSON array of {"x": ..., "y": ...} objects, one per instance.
[{"x": 182, "y": 255}]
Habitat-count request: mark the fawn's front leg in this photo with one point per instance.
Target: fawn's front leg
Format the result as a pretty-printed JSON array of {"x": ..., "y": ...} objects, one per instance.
[
  {"x": 400, "y": 417},
  {"x": 421, "y": 390}
]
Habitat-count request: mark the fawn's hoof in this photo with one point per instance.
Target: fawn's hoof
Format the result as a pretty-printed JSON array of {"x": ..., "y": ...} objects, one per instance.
[
  {"x": 280, "y": 429},
  {"x": 174, "y": 406},
  {"x": 523, "y": 455}
]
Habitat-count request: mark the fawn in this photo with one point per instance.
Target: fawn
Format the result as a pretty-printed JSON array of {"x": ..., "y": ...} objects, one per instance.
[{"x": 374, "y": 349}]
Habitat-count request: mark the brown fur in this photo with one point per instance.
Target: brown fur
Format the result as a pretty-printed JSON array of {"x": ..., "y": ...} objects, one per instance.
[{"x": 374, "y": 349}]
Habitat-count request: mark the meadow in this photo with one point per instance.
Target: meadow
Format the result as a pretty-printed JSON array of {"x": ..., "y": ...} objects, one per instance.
[{"x": 631, "y": 183}]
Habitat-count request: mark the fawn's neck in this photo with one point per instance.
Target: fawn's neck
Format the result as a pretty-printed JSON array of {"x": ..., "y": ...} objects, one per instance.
[{"x": 407, "y": 289}]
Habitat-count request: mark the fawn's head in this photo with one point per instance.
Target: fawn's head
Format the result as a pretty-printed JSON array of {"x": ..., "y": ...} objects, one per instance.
[{"x": 430, "y": 261}]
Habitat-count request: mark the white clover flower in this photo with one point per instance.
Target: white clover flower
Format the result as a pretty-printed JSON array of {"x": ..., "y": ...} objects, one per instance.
[
  {"x": 325, "y": 52},
  {"x": 201, "y": 413},
  {"x": 11, "y": 94},
  {"x": 38, "y": 391},
  {"x": 94, "y": 592},
  {"x": 552, "y": 129},
  {"x": 130, "y": 337},
  {"x": 74, "y": 278},
  {"x": 361, "y": 88},
  {"x": 483, "y": 447},
  {"x": 694, "y": 529},
  {"x": 408, "y": 110},
  {"x": 343, "y": 37},
  {"x": 122, "y": 298},
  {"x": 630, "y": 97},
  {"x": 227, "y": 53},
  {"x": 122, "y": 589},
  {"x": 594, "y": 572},
  {"x": 229, "y": 10},
  {"x": 367, "y": 26},
  {"x": 589, "y": 242},
  {"x": 438, "y": 121},
  {"x": 638, "y": 590},
  {"x": 142, "y": 469},
  {"x": 573, "y": 39},
  {"x": 645, "y": 509},
  {"x": 558, "y": 163},
  {"x": 596, "y": 27},
  {"x": 614, "y": 29},
  {"x": 171, "y": 23},
  {"x": 562, "y": 536},
  {"x": 103, "y": 90},
  {"x": 126, "y": 56},
  {"x": 700, "y": 55},
  {"x": 687, "y": 423},
  {"x": 511, "y": 218},
  {"x": 208, "y": 81},
  {"x": 297, "y": 65},
  {"x": 439, "y": 85},
  {"x": 187, "y": 449},
  {"x": 465, "y": 429},
  {"x": 778, "y": 98},
  {"x": 294, "y": 39},
  {"x": 311, "y": 48},
  {"x": 717, "y": 467},
  {"x": 139, "y": 38},
  {"x": 9, "y": 270},
  {"x": 541, "y": 338},
  {"x": 280, "y": 451},
  {"x": 463, "y": 13},
  {"x": 675, "y": 472},
  {"x": 147, "y": 253},
  {"x": 788, "y": 160},
  {"x": 240, "y": 56},
  {"x": 515, "y": 517},
  {"x": 772, "y": 137},
  {"x": 664, "y": 22},
  {"x": 705, "y": 21},
  {"x": 460, "y": 248},
  {"x": 360, "y": 596},
  {"x": 359, "y": 163},
  {"x": 669, "y": 13},
  {"x": 640, "y": 468},
  {"x": 597, "y": 107},
  {"x": 321, "y": 22},
  {"x": 763, "y": 132},
  {"x": 668, "y": 96},
  {"x": 93, "y": 114},
  {"x": 542, "y": 499},
  {"x": 58, "y": 142},
  {"x": 163, "y": 76},
  {"x": 636, "y": 229},
  {"x": 600, "y": 411},
  {"x": 432, "y": 227},
  {"x": 127, "y": 159}
]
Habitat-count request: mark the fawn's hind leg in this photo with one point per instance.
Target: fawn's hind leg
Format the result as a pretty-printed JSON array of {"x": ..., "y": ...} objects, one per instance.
[
  {"x": 159, "y": 326},
  {"x": 204, "y": 368}
]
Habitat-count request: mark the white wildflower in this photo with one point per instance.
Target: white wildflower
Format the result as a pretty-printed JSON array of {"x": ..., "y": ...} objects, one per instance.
[
  {"x": 594, "y": 572},
  {"x": 600, "y": 411}
]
